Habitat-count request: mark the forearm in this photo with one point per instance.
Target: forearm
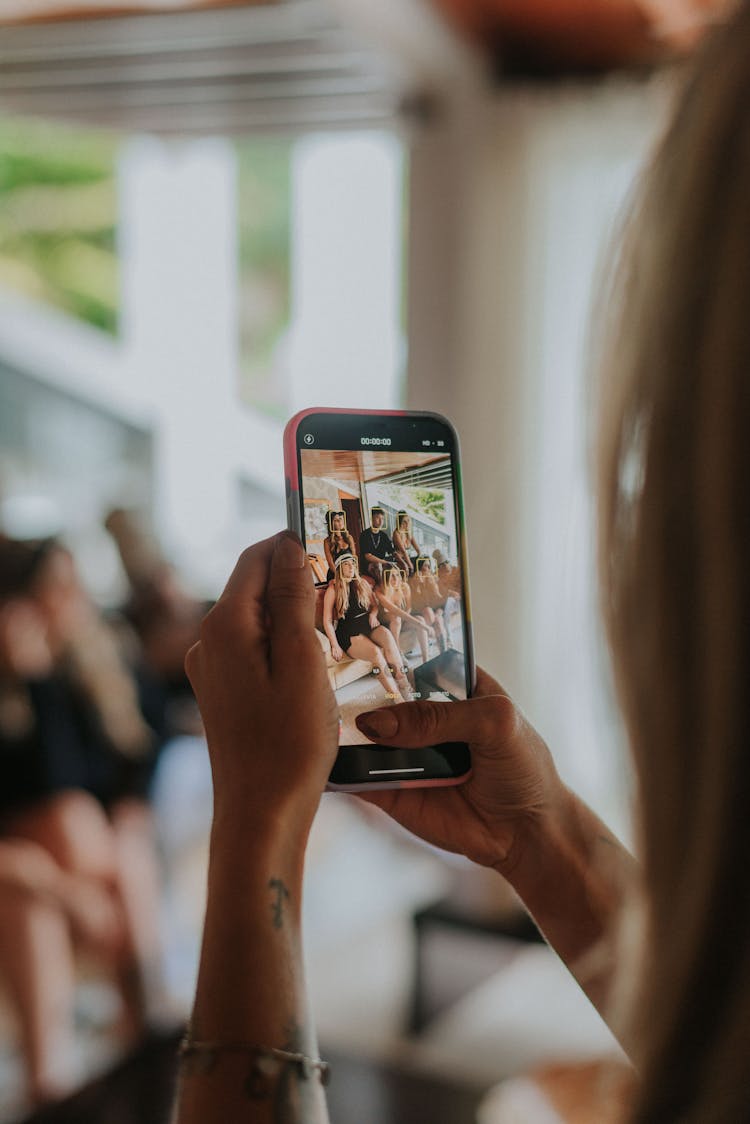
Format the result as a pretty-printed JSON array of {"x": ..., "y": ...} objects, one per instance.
[
  {"x": 251, "y": 988},
  {"x": 392, "y": 607},
  {"x": 27, "y": 869},
  {"x": 573, "y": 877}
]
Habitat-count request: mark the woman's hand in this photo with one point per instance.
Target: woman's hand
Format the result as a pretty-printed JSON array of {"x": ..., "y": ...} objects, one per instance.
[
  {"x": 513, "y": 784},
  {"x": 337, "y": 652},
  {"x": 259, "y": 675},
  {"x": 374, "y": 622}
]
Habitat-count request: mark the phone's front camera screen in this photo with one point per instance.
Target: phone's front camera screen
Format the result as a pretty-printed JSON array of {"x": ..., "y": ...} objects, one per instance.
[{"x": 381, "y": 531}]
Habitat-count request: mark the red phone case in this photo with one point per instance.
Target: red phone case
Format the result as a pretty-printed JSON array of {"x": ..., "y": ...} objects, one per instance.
[{"x": 294, "y": 522}]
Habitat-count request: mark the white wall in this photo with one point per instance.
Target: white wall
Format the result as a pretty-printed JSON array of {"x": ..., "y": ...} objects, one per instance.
[
  {"x": 346, "y": 272},
  {"x": 513, "y": 199}
]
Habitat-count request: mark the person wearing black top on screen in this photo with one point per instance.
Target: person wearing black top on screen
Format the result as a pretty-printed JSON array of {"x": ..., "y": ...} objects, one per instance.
[{"x": 375, "y": 545}]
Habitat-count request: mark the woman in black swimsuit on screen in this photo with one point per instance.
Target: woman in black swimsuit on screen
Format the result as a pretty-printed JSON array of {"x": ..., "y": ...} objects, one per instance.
[{"x": 350, "y": 620}]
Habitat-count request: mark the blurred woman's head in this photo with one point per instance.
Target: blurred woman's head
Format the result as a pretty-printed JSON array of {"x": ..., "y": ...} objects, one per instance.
[
  {"x": 60, "y": 594},
  {"x": 25, "y": 651},
  {"x": 48, "y": 623},
  {"x": 674, "y": 503}
]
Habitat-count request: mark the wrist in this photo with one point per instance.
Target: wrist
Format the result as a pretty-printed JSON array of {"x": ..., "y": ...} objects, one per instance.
[
  {"x": 538, "y": 840},
  {"x": 254, "y": 841}
]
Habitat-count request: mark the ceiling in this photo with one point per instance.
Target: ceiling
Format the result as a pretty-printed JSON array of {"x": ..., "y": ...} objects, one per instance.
[
  {"x": 248, "y": 68},
  {"x": 30, "y": 11},
  {"x": 223, "y": 66},
  {"x": 601, "y": 32},
  {"x": 411, "y": 469}
]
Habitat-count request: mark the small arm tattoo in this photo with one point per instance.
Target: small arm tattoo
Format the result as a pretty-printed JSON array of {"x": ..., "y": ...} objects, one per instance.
[{"x": 281, "y": 894}]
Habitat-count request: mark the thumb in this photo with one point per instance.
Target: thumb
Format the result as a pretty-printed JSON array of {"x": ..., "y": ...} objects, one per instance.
[
  {"x": 481, "y": 722},
  {"x": 290, "y": 599}
]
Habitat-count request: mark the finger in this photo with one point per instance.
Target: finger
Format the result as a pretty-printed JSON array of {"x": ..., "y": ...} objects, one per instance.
[
  {"x": 237, "y": 620},
  {"x": 479, "y": 721},
  {"x": 385, "y": 800},
  {"x": 248, "y": 580},
  {"x": 486, "y": 685},
  {"x": 290, "y": 597}
]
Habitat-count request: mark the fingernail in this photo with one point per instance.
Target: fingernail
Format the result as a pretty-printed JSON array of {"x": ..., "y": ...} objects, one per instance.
[
  {"x": 378, "y": 723},
  {"x": 289, "y": 553}
]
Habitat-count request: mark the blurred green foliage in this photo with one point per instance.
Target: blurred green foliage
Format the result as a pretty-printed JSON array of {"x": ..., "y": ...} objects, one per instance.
[
  {"x": 58, "y": 211},
  {"x": 264, "y": 207},
  {"x": 431, "y": 503}
]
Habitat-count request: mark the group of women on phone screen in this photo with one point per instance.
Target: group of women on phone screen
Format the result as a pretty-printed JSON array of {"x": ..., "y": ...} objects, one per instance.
[{"x": 364, "y": 614}]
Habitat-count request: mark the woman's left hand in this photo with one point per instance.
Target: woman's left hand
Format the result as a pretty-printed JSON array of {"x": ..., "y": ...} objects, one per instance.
[{"x": 259, "y": 676}]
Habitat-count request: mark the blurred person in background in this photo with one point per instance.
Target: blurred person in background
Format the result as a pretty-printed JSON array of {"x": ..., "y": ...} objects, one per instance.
[
  {"x": 47, "y": 915},
  {"x": 164, "y": 616},
  {"x": 662, "y": 948},
  {"x": 76, "y": 756}
]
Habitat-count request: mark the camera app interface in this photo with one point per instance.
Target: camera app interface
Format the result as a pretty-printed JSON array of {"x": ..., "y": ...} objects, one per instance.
[{"x": 381, "y": 534}]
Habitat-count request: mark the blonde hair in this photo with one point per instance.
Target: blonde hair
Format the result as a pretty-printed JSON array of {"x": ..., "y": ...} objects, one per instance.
[
  {"x": 342, "y": 588},
  {"x": 674, "y": 552}
]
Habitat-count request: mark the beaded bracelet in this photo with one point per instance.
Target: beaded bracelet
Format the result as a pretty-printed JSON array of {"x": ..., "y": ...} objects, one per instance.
[{"x": 266, "y": 1064}]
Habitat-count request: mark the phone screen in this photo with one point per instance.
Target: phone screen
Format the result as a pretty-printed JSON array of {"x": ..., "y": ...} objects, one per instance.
[{"x": 382, "y": 526}]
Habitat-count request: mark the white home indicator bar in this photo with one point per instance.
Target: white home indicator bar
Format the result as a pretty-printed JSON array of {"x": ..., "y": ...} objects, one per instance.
[{"x": 372, "y": 772}]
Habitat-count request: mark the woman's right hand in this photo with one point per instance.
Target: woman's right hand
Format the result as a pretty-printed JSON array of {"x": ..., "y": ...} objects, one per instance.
[
  {"x": 513, "y": 787},
  {"x": 337, "y": 653}
]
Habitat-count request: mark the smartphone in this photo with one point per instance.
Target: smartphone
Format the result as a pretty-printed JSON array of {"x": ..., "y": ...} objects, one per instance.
[{"x": 375, "y": 497}]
